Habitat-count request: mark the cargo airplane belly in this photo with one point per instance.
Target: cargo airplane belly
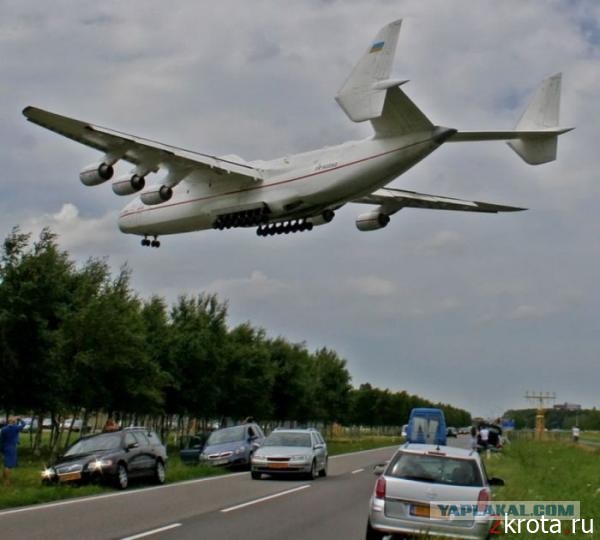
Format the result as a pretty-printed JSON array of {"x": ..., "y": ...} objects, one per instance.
[{"x": 177, "y": 190}]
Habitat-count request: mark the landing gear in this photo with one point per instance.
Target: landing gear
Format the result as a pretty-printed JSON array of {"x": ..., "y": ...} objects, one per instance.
[
  {"x": 152, "y": 243},
  {"x": 284, "y": 227}
]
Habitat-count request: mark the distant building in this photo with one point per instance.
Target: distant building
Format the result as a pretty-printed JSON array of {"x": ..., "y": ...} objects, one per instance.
[{"x": 567, "y": 407}]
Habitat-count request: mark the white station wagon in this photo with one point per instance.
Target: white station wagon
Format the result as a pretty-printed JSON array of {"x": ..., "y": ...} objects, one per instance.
[{"x": 421, "y": 474}]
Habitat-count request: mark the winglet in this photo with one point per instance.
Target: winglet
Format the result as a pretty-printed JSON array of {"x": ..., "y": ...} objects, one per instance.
[{"x": 363, "y": 94}]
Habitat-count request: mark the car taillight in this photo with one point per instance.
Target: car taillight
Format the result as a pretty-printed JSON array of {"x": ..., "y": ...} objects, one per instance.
[
  {"x": 483, "y": 500},
  {"x": 380, "y": 488}
]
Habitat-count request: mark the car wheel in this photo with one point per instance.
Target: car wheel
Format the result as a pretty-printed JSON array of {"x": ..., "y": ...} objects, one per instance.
[
  {"x": 159, "y": 472},
  {"x": 122, "y": 478},
  {"x": 255, "y": 475},
  {"x": 373, "y": 534},
  {"x": 323, "y": 471},
  {"x": 313, "y": 470}
]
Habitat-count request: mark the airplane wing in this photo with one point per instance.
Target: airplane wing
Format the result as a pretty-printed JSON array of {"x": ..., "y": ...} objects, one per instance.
[
  {"x": 392, "y": 200},
  {"x": 146, "y": 154}
]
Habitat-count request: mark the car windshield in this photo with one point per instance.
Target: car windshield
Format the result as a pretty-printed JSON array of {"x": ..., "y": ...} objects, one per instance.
[
  {"x": 288, "y": 439},
  {"x": 95, "y": 444},
  {"x": 227, "y": 435},
  {"x": 436, "y": 469}
]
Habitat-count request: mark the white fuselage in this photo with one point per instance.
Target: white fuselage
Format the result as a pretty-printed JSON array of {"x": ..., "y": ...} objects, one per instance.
[{"x": 301, "y": 185}]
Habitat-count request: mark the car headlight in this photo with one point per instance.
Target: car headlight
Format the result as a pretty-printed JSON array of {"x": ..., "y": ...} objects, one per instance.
[
  {"x": 99, "y": 464},
  {"x": 301, "y": 458},
  {"x": 240, "y": 450},
  {"x": 48, "y": 473}
]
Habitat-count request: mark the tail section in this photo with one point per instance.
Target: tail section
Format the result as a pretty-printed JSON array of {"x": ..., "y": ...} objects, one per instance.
[
  {"x": 541, "y": 114},
  {"x": 535, "y": 137},
  {"x": 363, "y": 94}
]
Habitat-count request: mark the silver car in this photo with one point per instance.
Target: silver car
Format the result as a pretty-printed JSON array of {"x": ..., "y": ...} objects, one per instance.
[
  {"x": 286, "y": 451},
  {"x": 420, "y": 474}
]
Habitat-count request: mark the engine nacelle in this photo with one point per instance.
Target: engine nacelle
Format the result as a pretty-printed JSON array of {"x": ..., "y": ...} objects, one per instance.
[
  {"x": 156, "y": 195},
  {"x": 128, "y": 184},
  {"x": 323, "y": 218},
  {"x": 371, "y": 221},
  {"x": 96, "y": 173}
]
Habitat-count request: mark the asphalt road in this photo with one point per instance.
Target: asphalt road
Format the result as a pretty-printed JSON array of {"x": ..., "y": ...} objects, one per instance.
[{"x": 227, "y": 507}]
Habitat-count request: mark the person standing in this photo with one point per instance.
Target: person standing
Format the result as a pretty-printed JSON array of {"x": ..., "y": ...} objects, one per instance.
[
  {"x": 9, "y": 439},
  {"x": 484, "y": 436}
]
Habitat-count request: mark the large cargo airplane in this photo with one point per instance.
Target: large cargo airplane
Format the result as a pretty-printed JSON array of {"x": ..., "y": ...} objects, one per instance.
[{"x": 196, "y": 191}]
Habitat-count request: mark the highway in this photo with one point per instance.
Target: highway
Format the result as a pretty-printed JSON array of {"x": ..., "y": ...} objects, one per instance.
[{"x": 225, "y": 507}]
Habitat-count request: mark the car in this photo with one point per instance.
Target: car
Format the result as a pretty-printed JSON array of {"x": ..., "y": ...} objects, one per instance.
[
  {"x": 451, "y": 432},
  {"x": 192, "y": 447},
  {"x": 74, "y": 425},
  {"x": 232, "y": 446},
  {"x": 113, "y": 457},
  {"x": 299, "y": 451},
  {"x": 420, "y": 473}
]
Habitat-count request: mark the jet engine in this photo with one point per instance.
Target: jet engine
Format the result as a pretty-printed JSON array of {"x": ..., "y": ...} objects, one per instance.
[
  {"x": 128, "y": 184},
  {"x": 371, "y": 221},
  {"x": 96, "y": 173},
  {"x": 156, "y": 195}
]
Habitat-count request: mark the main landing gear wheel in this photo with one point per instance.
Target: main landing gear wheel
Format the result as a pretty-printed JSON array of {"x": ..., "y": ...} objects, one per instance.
[{"x": 154, "y": 243}]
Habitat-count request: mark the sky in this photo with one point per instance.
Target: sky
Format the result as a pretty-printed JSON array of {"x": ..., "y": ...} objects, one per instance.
[{"x": 472, "y": 310}]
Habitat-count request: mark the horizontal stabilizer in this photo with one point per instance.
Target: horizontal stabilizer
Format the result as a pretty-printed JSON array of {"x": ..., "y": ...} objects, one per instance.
[
  {"x": 535, "y": 137},
  {"x": 392, "y": 200}
]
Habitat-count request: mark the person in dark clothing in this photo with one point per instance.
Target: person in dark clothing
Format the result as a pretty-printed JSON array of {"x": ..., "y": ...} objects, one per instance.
[{"x": 9, "y": 439}]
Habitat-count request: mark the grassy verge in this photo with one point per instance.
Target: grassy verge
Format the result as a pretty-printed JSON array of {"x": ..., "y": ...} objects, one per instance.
[
  {"x": 26, "y": 485},
  {"x": 549, "y": 471}
]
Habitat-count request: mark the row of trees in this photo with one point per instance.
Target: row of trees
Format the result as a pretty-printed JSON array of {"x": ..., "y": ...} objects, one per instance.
[
  {"x": 76, "y": 339},
  {"x": 586, "y": 419}
]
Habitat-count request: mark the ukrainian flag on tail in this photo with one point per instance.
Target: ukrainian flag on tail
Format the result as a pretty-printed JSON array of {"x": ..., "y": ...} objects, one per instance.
[{"x": 376, "y": 47}]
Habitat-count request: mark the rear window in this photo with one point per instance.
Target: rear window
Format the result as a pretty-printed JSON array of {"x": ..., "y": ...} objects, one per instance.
[{"x": 435, "y": 469}]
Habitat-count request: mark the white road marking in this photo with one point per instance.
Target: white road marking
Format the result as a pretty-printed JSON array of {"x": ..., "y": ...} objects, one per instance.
[
  {"x": 153, "y": 531},
  {"x": 357, "y": 471},
  {"x": 262, "y": 499},
  {"x": 78, "y": 500},
  {"x": 365, "y": 451},
  {"x": 94, "y": 498}
]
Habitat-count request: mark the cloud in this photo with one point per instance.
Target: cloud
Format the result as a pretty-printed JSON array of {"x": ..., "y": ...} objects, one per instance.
[{"x": 432, "y": 289}]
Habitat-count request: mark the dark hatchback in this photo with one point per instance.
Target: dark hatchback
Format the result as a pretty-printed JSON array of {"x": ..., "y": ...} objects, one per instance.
[{"x": 111, "y": 458}]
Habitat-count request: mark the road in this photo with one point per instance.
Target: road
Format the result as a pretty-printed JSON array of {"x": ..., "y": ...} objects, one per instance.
[{"x": 226, "y": 507}]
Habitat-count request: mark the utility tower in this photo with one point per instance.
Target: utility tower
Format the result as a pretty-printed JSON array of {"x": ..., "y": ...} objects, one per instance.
[{"x": 541, "y": 399}]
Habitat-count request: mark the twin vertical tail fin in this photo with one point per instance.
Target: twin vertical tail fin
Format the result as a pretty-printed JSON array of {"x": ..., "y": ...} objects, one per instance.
[
  {"x": 541, "y": 118},
  {"x": 535, "y": 137},
  {"x": 363, "y": 94}
]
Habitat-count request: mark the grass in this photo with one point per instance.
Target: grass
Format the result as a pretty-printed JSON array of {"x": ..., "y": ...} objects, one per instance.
[
  {"x": 548, "y": 471},
  {"x": 26, "y": 488}
]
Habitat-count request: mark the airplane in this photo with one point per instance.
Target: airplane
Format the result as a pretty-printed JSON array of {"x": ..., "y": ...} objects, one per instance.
[{"x": 197, "y": 191}]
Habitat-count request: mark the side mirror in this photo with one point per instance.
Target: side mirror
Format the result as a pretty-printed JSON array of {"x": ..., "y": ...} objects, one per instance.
[
  {"x": 132, "y": 445},
  {"x": 495, "y": 481},
  {"x": 379, "y": 468},
  {"x": 318, "y": 446}
]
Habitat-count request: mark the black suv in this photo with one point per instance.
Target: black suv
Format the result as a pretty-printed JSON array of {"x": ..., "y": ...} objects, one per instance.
[{"x": 113, "y": 457}]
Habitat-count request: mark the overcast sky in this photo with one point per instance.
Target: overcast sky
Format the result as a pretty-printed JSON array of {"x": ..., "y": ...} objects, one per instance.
[{"x": 473, "y": 310}]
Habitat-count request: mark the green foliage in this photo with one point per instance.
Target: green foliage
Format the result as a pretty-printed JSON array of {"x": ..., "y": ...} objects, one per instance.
[{"x": 75, "y": 340}]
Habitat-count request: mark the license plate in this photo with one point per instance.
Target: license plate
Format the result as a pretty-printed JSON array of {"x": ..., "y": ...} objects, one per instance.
[
  {"x": 69, "y": 477},
  {"x": 420, "y": 510},
  {"x": 278, "y": 465},
  {"x": 221, "y": 461}
]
